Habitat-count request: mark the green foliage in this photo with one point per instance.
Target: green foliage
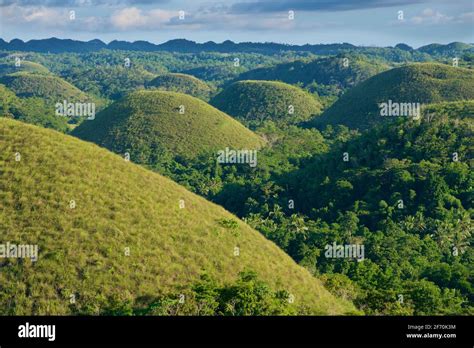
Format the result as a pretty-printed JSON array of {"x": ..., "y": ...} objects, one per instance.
[
  {"x": 457, "y": 109},
  {"x": 108, "y": 65},
  {"x": 229, "y": 224},
  {"x": 330, "y": 74},
  {"x": 453, "y": 49},
  {"x": 254, "y": 102},
  {"x": 341, "y": 286},
  {"x": 247, "y": 296},
  {"x": 217, "y": 74},
  {"x": 428, "y": 235},
  {"x": 30, "y": 110},
  {"x": 112, "y": 82},
  {"x": 39, "y": 94}
]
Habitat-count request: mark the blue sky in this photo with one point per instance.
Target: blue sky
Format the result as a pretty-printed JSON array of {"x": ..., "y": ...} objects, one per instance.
[{"x": 361, "y": 22}]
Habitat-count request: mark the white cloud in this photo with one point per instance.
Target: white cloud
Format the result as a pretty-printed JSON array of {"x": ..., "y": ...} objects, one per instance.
[
  {"x": 430, "y": 16},
  {"x": 37, "y": 18},
  {"x": 43, "y": 16},
  {"x": 467, "y": 17},
  {"x": 135, "y": 18}
]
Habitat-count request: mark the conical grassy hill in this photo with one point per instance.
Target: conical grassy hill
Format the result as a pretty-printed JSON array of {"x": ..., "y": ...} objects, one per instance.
[
  {"x": 48, "y": 87},
  {"x": 148, "y": 123},
  {"x": 425, "y": 83},
  {"x": 118, "y": 205},
  {"x": 253, "y": 102}
]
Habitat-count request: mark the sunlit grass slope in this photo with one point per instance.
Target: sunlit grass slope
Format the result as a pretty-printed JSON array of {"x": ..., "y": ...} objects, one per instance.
[
  {"x": 118, "y": 205},
  {"x": 424, "y": 83},
  {"x": 24, "y": 66}
]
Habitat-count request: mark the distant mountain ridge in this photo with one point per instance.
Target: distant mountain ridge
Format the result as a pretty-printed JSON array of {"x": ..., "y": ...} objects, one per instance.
[{"x": 55, "y": 45}]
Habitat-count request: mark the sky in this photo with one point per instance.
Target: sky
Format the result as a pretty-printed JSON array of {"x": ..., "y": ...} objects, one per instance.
[{"x": 360, "y": 22}]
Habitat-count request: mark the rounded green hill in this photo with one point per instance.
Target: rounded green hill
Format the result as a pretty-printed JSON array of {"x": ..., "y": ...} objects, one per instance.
[
  {"x": 109, "y": 231},
  {"x": 254, "y": 102},
  {"x": 148, "y": 123},
  {"x": 25, "y": 66},
  {"x": 182, "y": 83},
  {"x": 425, "y": 83},
  {"x": 50, "y": 88}
]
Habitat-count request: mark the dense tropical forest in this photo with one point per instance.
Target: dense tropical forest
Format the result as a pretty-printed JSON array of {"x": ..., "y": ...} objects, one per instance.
[{"x": 213, "y": 233}]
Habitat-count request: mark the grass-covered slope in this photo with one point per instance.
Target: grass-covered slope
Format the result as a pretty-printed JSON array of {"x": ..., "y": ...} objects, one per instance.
[
  {"x": 50, "y": 88},
  {"x": 341, "y": 71},
  {"x": 253, "y": 102},
  {"x": 148, "y": 123},
  {"x": 182, "y": 83},
  {"x": 425, "y": 83},
  {"x": 25, "y": 66},
  {"x": 118, "y": 205}
]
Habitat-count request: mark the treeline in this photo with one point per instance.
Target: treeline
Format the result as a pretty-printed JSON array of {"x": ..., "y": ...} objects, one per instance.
[
  {"x": 246, "y": 296},
  {"x": 55, "y": 45}
]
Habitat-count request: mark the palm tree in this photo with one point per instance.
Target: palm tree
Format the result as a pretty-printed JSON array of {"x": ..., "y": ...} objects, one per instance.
[
  {"x": 442, "y": 234},
  {"x": 462, "y": 232}
]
